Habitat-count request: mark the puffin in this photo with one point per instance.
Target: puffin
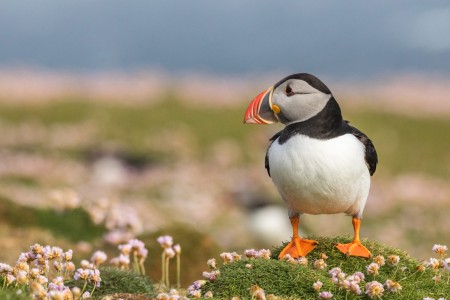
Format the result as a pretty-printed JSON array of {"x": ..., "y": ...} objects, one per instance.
[{"x": 319, "y": 163}]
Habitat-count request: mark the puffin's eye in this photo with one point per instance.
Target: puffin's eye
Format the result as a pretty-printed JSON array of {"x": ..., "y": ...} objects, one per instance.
[{"x": 289, "y": 91}]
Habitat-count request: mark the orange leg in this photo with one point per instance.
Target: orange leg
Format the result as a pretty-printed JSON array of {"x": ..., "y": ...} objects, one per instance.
[
  {"x": 355, "y": 248},
  {"x": 297, "y": 247}
]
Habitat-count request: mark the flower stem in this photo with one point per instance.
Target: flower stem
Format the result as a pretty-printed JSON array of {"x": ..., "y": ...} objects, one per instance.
[
  {"x": 163, "y": 268},
  {"x": 178, "y": 270},
  {"x": 84, "y": 287},
  {"x": 141, "y": 264},
  {"x": 167, "y": 272}
]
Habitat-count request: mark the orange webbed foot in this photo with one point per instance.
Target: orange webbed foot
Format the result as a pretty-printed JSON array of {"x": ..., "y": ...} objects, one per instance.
[
  {"x": 354, "y": 248},
  {"x": 298, "y": 247}
]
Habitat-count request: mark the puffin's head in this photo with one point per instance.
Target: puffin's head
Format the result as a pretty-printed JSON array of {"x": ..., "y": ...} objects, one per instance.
[{"x": 295, "y": 98}]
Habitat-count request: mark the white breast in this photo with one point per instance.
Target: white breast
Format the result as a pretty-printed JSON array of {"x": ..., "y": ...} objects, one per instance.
[{"x": 321, "y": 176}]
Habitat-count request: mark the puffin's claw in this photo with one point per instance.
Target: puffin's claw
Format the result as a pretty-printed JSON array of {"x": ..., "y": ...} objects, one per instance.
[
  {"x": 354, "y": 248},
  {"x": 298, "y": 247}
]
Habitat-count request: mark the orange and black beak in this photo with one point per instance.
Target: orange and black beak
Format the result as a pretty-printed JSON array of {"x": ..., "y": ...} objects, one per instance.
[{"x": 260, "y": 110}]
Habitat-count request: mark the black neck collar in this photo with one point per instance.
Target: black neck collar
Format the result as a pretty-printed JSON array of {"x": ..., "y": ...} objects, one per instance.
[{"x": 325, "y": 125}]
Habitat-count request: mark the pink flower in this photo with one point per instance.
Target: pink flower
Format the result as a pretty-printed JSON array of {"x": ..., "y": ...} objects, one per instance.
[
  {"x": 325, "y": 295},
  {"x": 227, "y": 257},
  {"x": 440, "y": 249},
  {"x": 98, "y": 257},
  {"x": 251, "y": 253},
  {"x": 317, "y": 285},
  {"x": 392, "y": 286},
  {"x": 374, "y": 289},
  {"x": 166, "y": 241},
  {"x": 372, "y": 269},
  {"x": 393, "y": 260}
]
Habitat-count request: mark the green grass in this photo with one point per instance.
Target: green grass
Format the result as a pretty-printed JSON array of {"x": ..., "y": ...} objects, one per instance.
[
  {"x": 74, "y": 224},
  {"x": 293, "y": 281},
  {"x": 404, "y": 143},
  {"x": 407, "y": 144},
  {"x": 115, "y": 281}
]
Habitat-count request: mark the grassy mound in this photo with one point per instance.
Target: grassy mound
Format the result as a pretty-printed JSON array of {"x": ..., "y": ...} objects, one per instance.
[
  {"x": 294, "y": 281},
  {"x": 115, "y": 281}
]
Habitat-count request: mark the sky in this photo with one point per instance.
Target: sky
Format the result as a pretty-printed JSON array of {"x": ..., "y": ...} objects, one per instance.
[{"x": 339, "y": 38}]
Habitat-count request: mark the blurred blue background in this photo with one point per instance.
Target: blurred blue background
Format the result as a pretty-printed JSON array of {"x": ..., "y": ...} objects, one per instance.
[{"x": 340, "y": 38}]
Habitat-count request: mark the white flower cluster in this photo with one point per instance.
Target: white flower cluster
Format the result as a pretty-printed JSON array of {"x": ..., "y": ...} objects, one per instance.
[
  {"x": 134, "y": 248},
  {"x": 43, "y": 269}
]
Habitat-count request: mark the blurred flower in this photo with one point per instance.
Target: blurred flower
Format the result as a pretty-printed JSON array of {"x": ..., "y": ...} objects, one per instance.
[
  {"x": 86, "y": 295},
  {"x": 325, "y": 295},
  {"x": 10, "y": 279},
  {"x": 177, "y": 248},
  {"x": 355, "y": 288},
  {"x": 168, "y": 252},
  {"x": 57, "y": 265},
  {"x": 421, "y": 268},
  {"x": 392, "y": 286},
  {"x": 166, "y": 241},
  {"x": 317, "y": 285},
  {"x": 374, "y": 289},
  {"x": 446, "y": 263},
  {"x": 379, "y": 259},
  {"x": 393, "y": 260},
  {"x": 264, "y": 253},
  {"x": 98, "y": 257},
  {"x": 41, "y": 279},
  {"x": 22, "y": 277},
  {"x": 211, "y": 276},
  {"x": 208, "y": 294},
  {"x": 437, "y": 278},
  {"x": 227, "y": 257},
  {"x": 94, "y": 276},
  {"x": 212, "y": 263},
  {"x": 335, "y": 271},
  {"x": 82, "y": 274},
  {"x": 289, "y": 258},
  {"x": 196, "y": 293},
  {"x": 320, "y": 264},
  {"x": 257, "y": 293},
  {"x": 236, "y": 257},
  {"x": 248, "y": 266},
  {"x": 251, "y": 253},
  {"x": 433, "y": 263},
  {"x": 85, "y": 264},
  {"x": 5, "y": 268},
  {"x": 67, "y": 256},
  {"x": 360, "y": 275},
  {"x": 125, "y": 249},
  {"x": 302, "y": 260},
  {"x": 323, "y": 256},
  {"x": 440, "y": 249},
  {"x": 69, "y": 267},
  {"x": 372, "y": 269},
  {"x": 162, "y": 296},
  {"x": 38, "y": 290},
  {"x": 76, "y": 291}
]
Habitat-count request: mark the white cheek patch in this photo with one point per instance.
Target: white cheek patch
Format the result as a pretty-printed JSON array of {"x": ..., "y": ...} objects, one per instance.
[{"x": 303, "y": 105}]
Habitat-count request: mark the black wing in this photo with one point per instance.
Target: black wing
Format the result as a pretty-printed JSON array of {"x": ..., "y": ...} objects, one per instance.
[
  {"x": 266, "y": 160},
  {"x": 371, "y": 154}
]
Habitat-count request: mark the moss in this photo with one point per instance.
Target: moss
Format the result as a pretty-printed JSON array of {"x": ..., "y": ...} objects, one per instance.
[
  {"x": 115, "y": 281},
  {"x": 289, "y": 280}
]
